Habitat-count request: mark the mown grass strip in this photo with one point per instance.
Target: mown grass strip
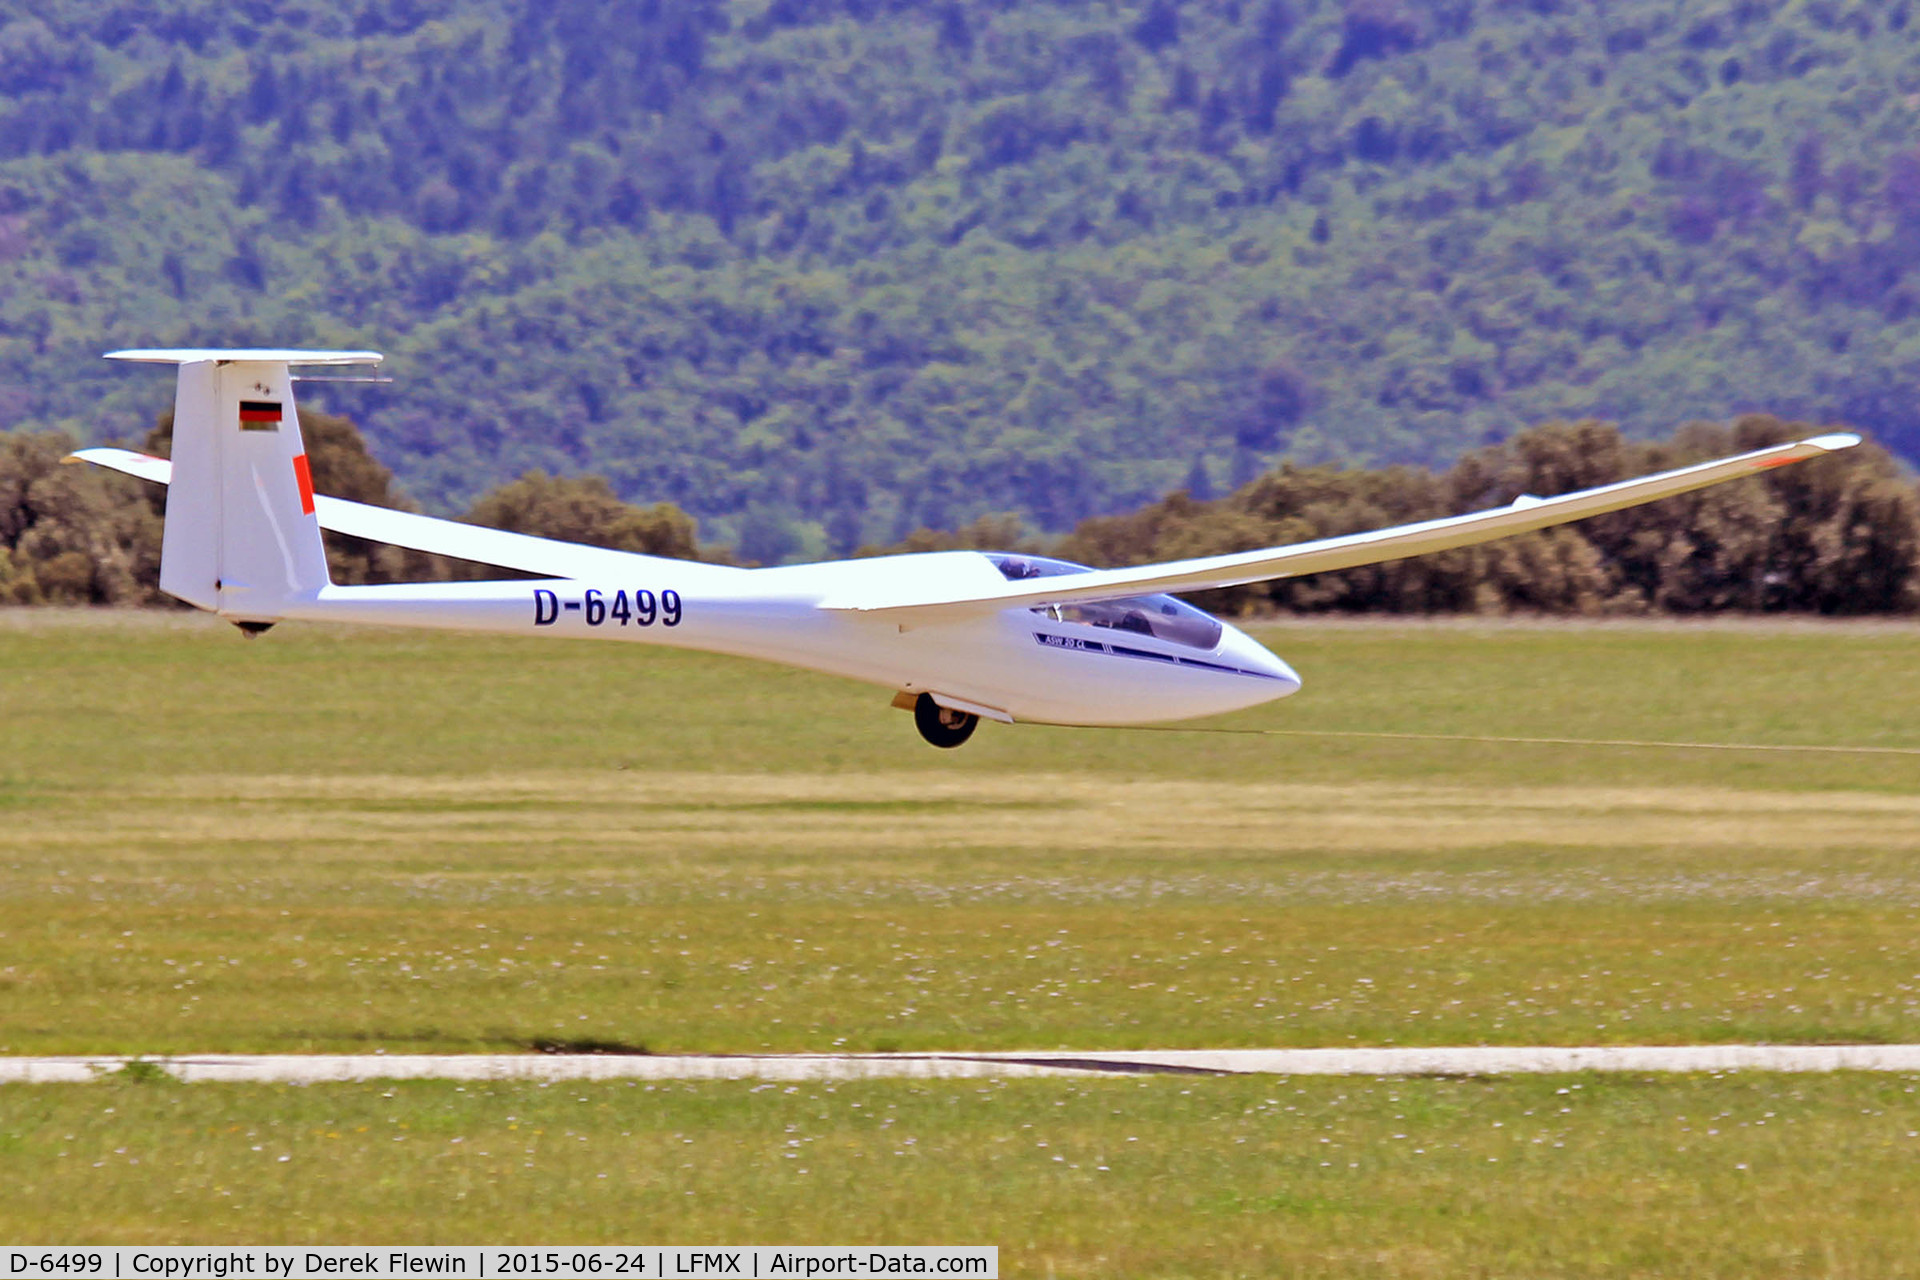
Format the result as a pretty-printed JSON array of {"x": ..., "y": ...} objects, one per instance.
[{"x": 1555, "y": 1175}]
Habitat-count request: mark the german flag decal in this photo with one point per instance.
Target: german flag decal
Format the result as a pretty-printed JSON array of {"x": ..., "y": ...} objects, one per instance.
[{"x": 259, "y": 415}]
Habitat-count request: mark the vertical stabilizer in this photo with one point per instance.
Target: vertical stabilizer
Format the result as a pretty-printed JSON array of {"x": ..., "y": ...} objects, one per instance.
[{"x": 241, "y": 537}]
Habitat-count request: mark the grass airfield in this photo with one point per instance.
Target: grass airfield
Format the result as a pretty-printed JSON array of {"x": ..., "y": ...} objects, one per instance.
[{"x": 339, "y": 840}]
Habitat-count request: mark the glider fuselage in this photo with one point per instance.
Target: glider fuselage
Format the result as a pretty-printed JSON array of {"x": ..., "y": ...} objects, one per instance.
[{"x": 1017, "y": 664}]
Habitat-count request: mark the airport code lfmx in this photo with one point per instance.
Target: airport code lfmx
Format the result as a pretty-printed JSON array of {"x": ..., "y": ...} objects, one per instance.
[{"x": 497, "y": 1262}]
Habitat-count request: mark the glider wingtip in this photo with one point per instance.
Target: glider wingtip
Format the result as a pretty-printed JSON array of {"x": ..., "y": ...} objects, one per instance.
[{"x": 1835, "y": 441}]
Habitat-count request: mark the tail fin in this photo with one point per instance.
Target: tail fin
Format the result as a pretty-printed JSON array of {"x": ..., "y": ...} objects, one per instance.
[{"x": 241, "y": 538}]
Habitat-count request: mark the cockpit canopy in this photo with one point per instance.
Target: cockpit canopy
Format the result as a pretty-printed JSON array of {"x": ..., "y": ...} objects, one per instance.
[{"x": 1161, "y": 617}]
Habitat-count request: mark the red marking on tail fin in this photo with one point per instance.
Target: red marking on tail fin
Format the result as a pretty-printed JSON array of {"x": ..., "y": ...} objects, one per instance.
[{"x": 304, "y": 474}]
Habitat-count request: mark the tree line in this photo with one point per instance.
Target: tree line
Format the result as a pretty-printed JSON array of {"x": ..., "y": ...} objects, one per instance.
[{"x": 1839, "y": 536}]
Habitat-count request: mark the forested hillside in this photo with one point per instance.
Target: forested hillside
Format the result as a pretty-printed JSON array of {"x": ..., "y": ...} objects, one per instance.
[{"x": 825, "y": 271}]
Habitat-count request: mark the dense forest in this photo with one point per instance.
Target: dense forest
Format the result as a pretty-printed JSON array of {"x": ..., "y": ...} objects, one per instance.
[{"x": 822, "y": 272}]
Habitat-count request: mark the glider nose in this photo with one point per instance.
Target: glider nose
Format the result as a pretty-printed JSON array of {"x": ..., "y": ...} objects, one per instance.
[
  {"x": 1279, "y": 669},
  {"x": 1251, "y": 655}
]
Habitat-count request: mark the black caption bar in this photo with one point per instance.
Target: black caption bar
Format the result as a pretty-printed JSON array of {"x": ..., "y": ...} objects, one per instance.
[{"x": 493, "y": 1262}]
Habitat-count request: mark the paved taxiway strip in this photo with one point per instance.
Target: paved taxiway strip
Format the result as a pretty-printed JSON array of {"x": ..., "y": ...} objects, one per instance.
[{"x": 1475, "y": 1060}]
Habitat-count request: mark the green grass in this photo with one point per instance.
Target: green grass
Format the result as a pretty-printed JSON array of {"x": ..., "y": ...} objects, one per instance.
[
  {"x": 333, "y": 839},
  {"x": 1572, "y": 1176},
  {"x": 92, "y": 699},
  {"x": 355, "y": 840}
]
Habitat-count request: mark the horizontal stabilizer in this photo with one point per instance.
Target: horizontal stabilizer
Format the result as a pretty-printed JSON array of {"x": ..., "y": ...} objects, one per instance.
[
  {"x": 520, "y": 551},
  {"x": 251, "y": 355},
  {"x": 144, "y": 466}
]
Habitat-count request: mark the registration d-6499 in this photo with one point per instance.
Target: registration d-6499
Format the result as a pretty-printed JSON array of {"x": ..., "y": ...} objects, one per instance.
[
  {"x": 597, "y": 608},
  {"x": 60, "y": 1262}
]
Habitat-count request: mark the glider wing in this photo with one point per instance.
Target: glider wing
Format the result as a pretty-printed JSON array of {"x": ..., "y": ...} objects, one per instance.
[
  {"x": 933, "y": 605},
  {"x": 528, "y": 554}
]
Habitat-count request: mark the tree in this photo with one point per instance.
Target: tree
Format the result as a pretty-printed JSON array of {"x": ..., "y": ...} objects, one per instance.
[
  {"x": 1002, "y": 531},
  {"x": 584, "y": 509},
  {"x": 1373, "y": 29},
  {"x": 1159, "y": 26},
  {"x": 71, "y": 534}
]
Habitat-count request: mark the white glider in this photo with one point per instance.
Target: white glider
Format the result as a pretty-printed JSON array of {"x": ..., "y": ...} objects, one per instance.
[{"x": 959, "y": 635}]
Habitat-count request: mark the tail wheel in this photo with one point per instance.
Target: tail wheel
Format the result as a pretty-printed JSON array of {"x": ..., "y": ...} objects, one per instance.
[{"x": 942, "y": 726}]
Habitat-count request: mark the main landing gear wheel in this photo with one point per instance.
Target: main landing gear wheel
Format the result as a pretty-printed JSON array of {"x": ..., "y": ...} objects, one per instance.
[{"x": 942, "y": 726}]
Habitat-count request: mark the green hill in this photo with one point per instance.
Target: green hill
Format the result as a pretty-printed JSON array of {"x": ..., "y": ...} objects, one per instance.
[{"x": 825, "y": 272}]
